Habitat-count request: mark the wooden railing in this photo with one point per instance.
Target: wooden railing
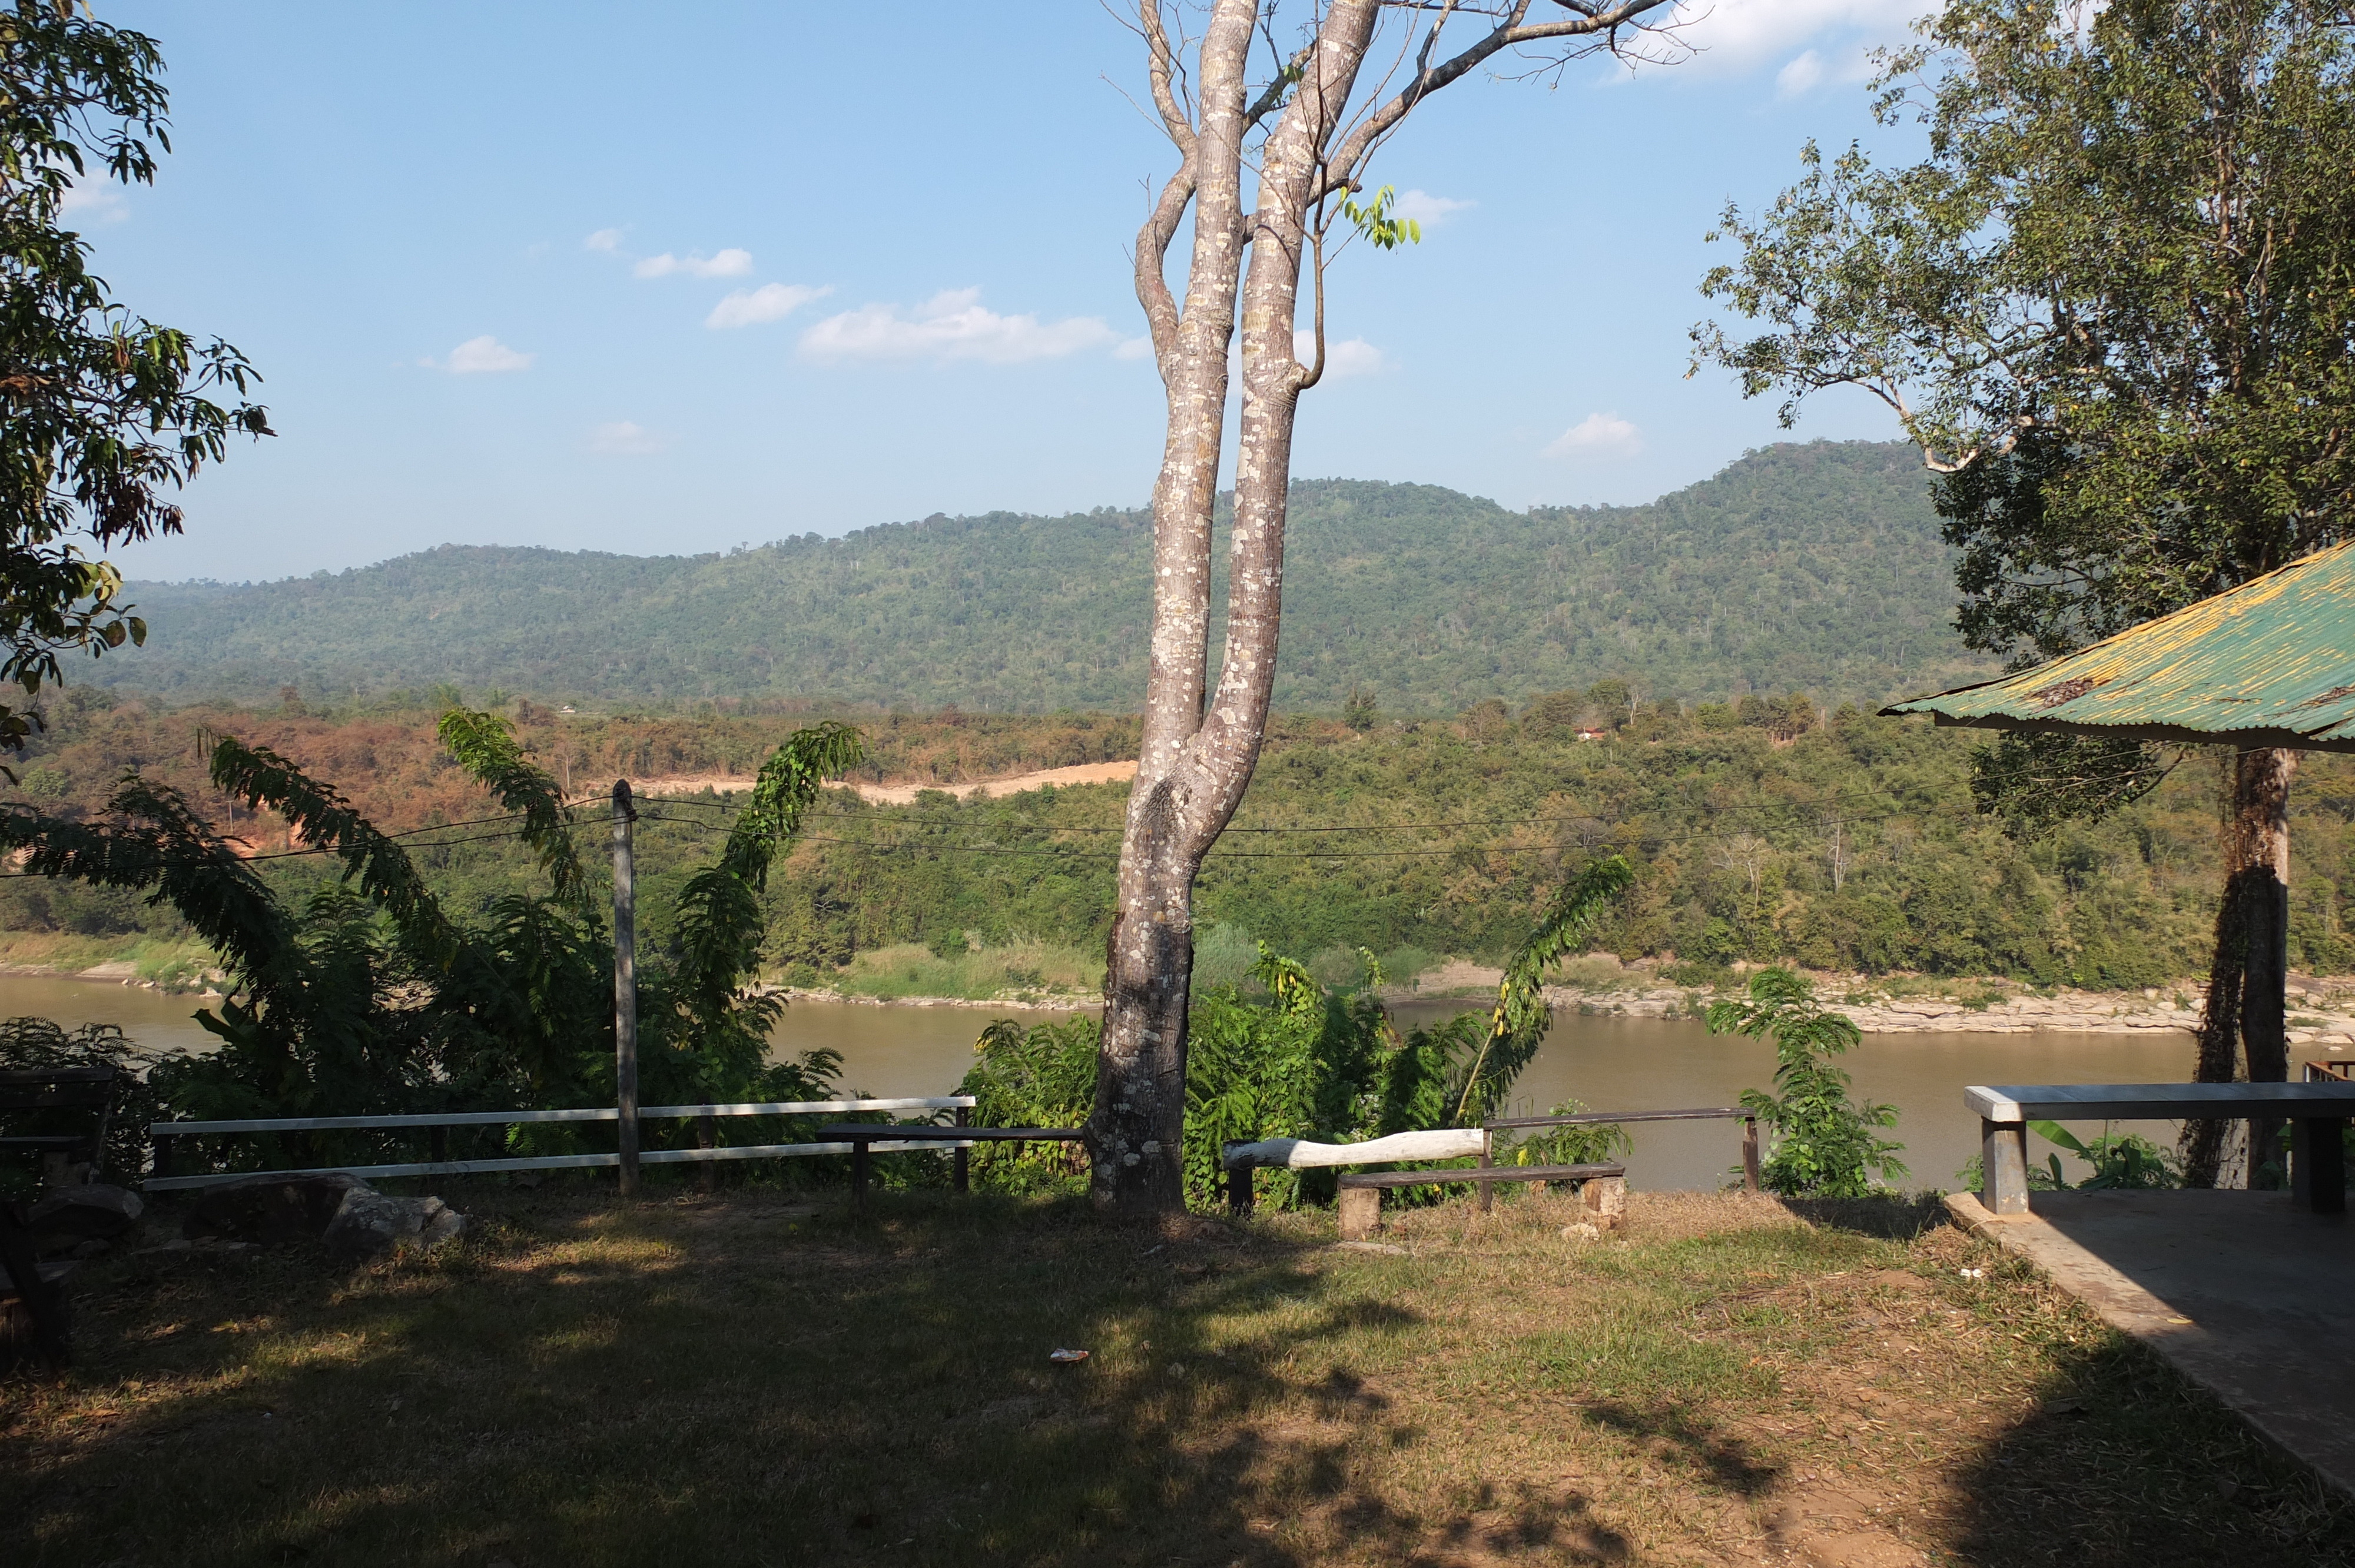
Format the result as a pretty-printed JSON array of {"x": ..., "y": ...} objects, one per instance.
[{"x": 163, "y": 1133}]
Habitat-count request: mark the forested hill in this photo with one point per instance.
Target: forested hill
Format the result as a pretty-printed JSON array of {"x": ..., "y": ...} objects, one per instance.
[{"x": 1810, "y": 566}]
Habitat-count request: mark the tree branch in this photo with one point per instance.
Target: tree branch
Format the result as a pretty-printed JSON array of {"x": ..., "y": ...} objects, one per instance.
[{"x": 1598, "y": 23}]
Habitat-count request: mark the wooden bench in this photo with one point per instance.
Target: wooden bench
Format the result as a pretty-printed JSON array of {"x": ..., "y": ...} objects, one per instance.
[
  {"x": 1603, "y": 1188},
  {"x": 1361, "y": 1191},
  {"x": 2317, "y": 1114},
  {"x": 863, "y": 1135},
  {"x": 81, "y": 1091}
]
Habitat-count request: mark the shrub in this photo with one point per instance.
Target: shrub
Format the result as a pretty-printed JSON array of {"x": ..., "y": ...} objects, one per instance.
[{"x": 1825, "y": 1143}]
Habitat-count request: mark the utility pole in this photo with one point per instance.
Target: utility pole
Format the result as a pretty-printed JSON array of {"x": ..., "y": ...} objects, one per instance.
[{"x": 626, "y": 987}]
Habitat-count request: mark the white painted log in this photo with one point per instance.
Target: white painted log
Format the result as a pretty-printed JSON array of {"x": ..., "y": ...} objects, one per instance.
[{"x": 1299, "y": 1154}]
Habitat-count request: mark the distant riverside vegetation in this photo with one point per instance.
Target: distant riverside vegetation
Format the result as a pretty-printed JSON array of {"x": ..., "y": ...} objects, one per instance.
[
  {"x": 1759, "y": 831},
  {"x": 1815, "y": 568}
]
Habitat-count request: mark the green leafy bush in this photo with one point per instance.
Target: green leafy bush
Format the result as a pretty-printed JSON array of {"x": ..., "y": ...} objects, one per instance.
[
  {"x": 2120, "y": 1160},
  {"x": 1588, "y": 1143},
  {"x": 1825, "y": 1143}
]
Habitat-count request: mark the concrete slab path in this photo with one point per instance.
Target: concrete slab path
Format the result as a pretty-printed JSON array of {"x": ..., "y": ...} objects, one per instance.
[{"x": 2249, "y": 1295}]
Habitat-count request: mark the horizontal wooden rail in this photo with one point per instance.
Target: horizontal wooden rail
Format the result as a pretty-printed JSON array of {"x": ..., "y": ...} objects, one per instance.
[
  {"x": 1484, "y": 1174},
  {"x": 1590, "y": 1118},
  {"x": 501, "y": 1119},
  {"x": 161, "y": 1132},
  {"x": 542, "y": 1163}
]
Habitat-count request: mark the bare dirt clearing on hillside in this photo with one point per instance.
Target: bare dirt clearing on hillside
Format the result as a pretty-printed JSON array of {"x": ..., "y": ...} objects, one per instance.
[{"x": 901, "y": 794}]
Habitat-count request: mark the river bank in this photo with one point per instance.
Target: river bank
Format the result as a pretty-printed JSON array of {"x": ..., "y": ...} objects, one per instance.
[{"x": 1048, "y": 980}]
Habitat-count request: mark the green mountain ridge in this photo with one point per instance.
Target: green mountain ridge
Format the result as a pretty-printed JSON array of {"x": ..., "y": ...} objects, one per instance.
[{"x": 1814, "y": 566}]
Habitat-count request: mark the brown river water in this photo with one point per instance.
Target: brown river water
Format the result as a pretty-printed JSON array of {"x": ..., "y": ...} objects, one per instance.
[{"x": 1611, "y": 1064}]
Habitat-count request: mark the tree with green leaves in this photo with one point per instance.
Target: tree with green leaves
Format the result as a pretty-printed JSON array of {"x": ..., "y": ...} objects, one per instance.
[
  {"x": 1825, "y": 1144},
  {"x": 1306, "y": 134},
  {"x": 2112, "y": 306},
  {"x": 103, "y": 413}
]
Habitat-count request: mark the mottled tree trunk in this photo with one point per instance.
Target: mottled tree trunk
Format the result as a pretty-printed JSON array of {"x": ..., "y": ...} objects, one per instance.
[
  {"x": 1200, "y": 746},
  {"x": 2243, "y": 1029},
  {"x": 1196, "y": 760}
]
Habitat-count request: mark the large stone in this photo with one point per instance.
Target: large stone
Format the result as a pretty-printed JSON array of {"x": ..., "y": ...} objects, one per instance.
[
  {"x": 91, "y": 1212},
  {"x": 270, "y": 1209},
  {"x": 370, "y": 1223}
]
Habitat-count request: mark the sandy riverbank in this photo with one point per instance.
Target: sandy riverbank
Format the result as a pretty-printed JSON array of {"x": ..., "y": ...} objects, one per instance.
[{"x": 2322, "y": 1009}]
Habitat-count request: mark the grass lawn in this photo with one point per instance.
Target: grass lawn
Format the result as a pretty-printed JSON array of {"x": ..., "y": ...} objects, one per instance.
[{"x": 744, "y": 1378}]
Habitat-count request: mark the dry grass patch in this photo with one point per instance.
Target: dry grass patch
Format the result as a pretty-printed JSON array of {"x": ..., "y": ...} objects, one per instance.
[{"x": 744, "y": 1379}]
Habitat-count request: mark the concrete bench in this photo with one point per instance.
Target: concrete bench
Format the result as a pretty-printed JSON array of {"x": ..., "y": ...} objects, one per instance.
[
  {"x": 1603, "y": 1189},
  {"x": 1360, "y": 1192},
  {"x": 2317, "y": 1114}
]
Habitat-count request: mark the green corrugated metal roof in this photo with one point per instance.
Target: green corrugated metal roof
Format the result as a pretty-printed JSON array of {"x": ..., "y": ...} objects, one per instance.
[{"x": 2270, "y": 664}]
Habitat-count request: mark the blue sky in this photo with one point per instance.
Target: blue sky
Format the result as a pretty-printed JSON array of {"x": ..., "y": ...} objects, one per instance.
[{"x": 669, "y": 280}]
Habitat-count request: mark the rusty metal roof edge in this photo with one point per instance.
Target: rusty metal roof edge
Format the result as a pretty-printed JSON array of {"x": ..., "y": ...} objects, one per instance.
[
  {"x": 2252, "y": 739},
  {"x": 2012, "y": 688}
]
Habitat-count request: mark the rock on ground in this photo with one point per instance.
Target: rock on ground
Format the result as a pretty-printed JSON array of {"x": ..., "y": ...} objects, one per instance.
[
  {"x": 350, "y": 1217},
  {"x": 369, "y": 1222},
  {"x": 92, "y": 1212}
]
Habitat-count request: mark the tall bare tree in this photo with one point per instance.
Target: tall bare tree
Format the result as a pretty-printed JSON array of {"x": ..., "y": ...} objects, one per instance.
[{"x": 1309, "y": 133}]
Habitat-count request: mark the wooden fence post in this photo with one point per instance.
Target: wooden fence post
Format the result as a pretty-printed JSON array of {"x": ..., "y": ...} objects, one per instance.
[
  {"x": 626, "y": 987},
  {"x": 1750, "y": 1153},
  {"x": 964, "y": 1118},
  {"x": 1487, "y": 1188}
]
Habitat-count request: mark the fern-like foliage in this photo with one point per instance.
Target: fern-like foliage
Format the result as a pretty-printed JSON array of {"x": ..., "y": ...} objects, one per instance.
[
  {"x": 374, "y": 863},
  {"x": 485, "y": 746},
  {"x": 1522, "y": 1015},
  {"x": 717, "y": 1031},
  {"x": 153, "y": 840}
]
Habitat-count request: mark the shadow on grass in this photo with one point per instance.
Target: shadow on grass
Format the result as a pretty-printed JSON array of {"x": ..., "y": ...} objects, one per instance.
[
  {"x": 1888, "y": 1216},
  {"x": 2124, "y": 1462},
  {"x": 1692, "y": 1442},
  {"x": 717, "y": 1382}
]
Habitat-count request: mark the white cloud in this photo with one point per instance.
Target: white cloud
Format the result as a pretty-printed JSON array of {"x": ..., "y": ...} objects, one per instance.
[
  {"x": 730, "y": 263},
  {"x": 603, "y": 239},
  {"x": 769, "y": 303},
  {"x": 1800, "y": 77},
  {"x": 1133, "y": 348},
  {"x": 1741, "y": 33},
  {"x": 480, "y": 356},
  {"x": 625, "y": 437},
  {"x": 95, "y": 200},
  {"x": 1344, "y": 357},
  {"x": 1597, "y": 435},
  {"x": 952, "y": 325},
  {"x": 1427, "y": 209}
]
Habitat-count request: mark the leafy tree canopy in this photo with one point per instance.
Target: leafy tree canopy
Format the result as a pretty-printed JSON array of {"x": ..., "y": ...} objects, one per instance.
[
  {"x": 102, "y": 411},
  {"x": 2112, "y": 306}
]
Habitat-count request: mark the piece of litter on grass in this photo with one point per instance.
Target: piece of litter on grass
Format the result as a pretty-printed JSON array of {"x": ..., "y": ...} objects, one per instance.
[
  {"x": 1148, "y": 1252},
  {"x": 1972, "y": 1272},
  {"x": 1065, "y": 1358},
  {"x": 1371, "y": 1246}
]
